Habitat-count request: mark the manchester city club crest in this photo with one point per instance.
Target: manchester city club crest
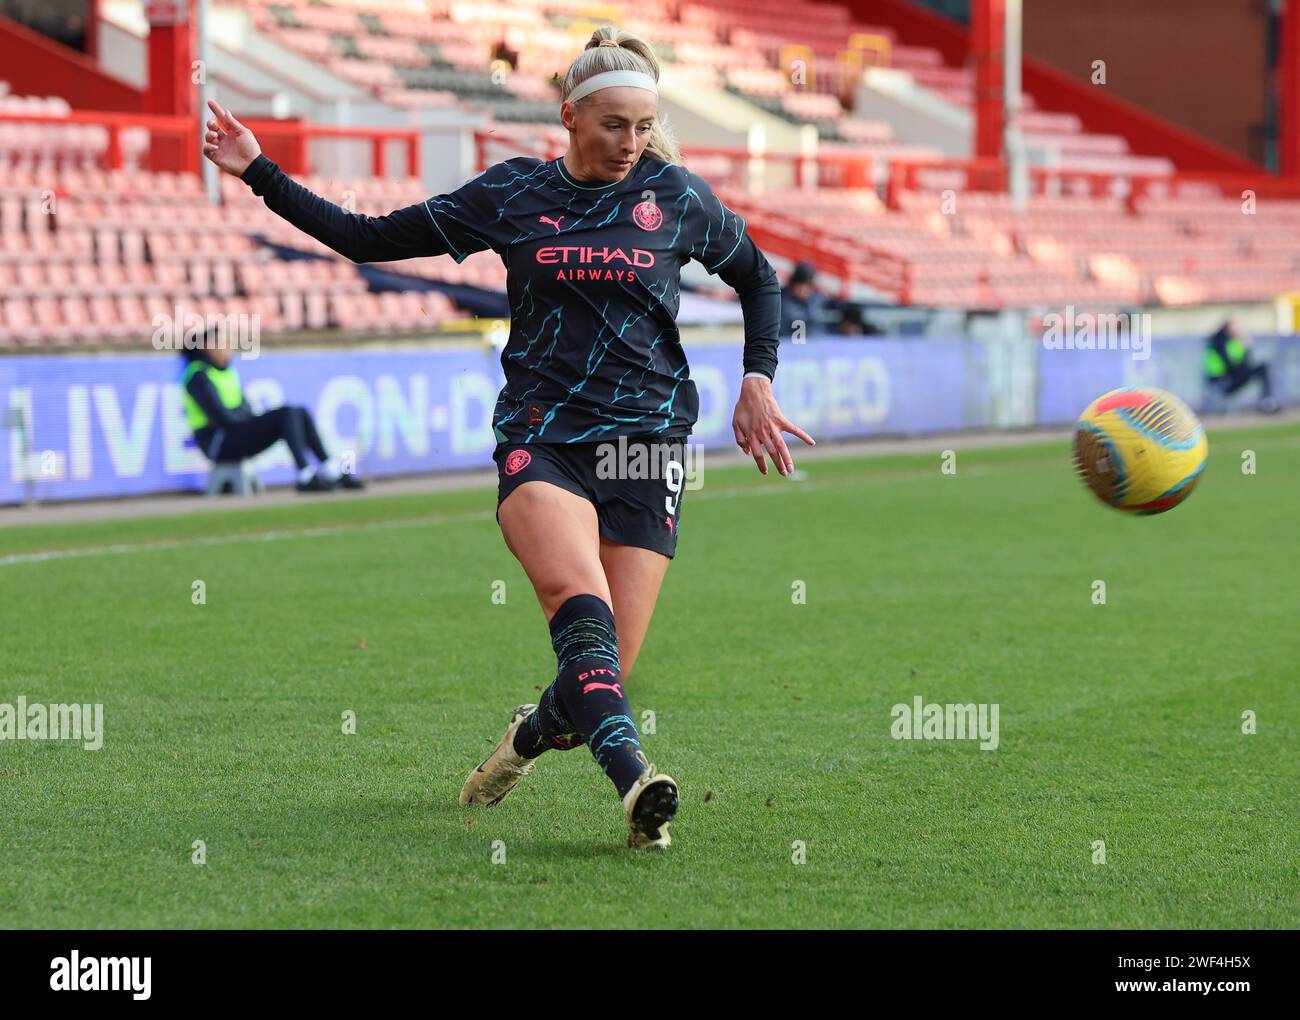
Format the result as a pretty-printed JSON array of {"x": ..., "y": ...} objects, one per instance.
[
  {"x": 647, "y": 216},
  {"x": 517, "y": 461}
]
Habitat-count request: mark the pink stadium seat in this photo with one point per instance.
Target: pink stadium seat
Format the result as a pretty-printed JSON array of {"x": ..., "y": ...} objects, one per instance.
[
  {"x": 317, "y": 309},
  {"x": 20, "y": 323},
  {"x": 32, "y": 278},
  {"x": 223, "y": 278},
  {"x": 171, "y": 276},
  {"x": 49, "y": 320},
  {"x": 133, "y": 316},
  {"x": 77, "y": 317},
  {"x": 106, "y": 246},
  {"x": 291, "y": 310},
  {"x": 11, "y": 214},
  {"x": 200, "y": 275}
]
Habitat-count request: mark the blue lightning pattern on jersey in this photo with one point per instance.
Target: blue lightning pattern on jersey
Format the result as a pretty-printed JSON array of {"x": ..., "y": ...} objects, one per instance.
[
  {"x": 592, "y": 284},
  {"x": 593, "y": 288}
]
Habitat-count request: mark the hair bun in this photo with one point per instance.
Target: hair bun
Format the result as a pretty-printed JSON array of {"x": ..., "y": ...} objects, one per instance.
[{"x": 607, "y": 42}]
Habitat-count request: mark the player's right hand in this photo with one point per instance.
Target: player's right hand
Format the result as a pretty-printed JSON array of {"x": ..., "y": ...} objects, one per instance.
[
  {"x": 758, "y": 424},
  {"x": 228, "y": 143}
]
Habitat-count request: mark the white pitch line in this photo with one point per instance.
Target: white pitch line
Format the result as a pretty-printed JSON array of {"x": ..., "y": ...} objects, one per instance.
[
  {"x": 789, "y": 488},
  {"x": 256, "y": 536},
  {"x": 342, "y": 529}
]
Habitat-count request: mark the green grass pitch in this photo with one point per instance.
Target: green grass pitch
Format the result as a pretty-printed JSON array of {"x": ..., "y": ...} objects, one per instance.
[{"x": 1119, "y": 722}]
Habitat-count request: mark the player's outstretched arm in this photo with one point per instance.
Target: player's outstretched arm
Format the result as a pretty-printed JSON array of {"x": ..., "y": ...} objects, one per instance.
[
  {"x": 404, "y": 233},
  {"x": 758, "y": 422}
]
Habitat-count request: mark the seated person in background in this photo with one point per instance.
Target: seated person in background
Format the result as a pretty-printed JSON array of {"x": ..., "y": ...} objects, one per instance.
[
  {"x": 800, "y": 302},
  {"x": 1228, "y": 364},
  {"x": 854, "y": 323},
  {"x": 227, "y": 430}
]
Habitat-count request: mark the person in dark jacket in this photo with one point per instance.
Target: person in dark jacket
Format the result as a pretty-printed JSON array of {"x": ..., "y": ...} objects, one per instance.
[
  {"x": 227, "y": 431},
  {"x": 801, "y": 302},
  {"x": 1228, "y": 364}
]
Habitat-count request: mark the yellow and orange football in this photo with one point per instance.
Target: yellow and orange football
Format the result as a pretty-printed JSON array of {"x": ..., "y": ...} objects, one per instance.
[{"x": 1139, "y": 449}]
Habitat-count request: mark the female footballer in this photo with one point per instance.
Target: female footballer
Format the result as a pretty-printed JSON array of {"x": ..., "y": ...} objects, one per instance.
[{"x": 593, "y": 243}]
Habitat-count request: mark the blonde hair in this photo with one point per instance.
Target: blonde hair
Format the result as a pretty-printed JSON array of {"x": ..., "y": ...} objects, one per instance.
[{"x": 622, "y": 51}]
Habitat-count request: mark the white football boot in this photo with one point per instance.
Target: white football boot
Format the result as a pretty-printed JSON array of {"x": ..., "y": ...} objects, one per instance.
[
  {"x": 650, "y": 805},
  {"x": 501, "y": 769}
]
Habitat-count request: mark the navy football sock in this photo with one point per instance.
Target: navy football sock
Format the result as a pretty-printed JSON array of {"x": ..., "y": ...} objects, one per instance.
[
  {"x": 547, "y": 729},
  {"x": 588, "y": 687}
]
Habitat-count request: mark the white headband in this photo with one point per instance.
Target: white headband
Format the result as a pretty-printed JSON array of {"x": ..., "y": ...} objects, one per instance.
[{"x": 611, "y": 79}]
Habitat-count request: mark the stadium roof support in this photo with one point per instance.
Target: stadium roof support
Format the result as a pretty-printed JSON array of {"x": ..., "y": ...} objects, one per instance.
[
  {"x": 986, "y": 50},
  {"x": 1017, "y": 158},
  {"x": 1289, "y": 91},
  {"x": 171, "y": 92}
]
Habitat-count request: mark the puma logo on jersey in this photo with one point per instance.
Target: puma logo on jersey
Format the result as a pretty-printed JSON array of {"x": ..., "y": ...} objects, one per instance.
[{"x": 554, "y": 223}]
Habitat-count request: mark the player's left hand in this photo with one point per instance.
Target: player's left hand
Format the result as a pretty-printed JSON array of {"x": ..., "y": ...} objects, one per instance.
[{"x": 758, "y": 424}]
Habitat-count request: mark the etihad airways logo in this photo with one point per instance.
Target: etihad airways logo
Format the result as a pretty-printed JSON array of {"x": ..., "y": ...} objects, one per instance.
[{"x": 601, "y": 259}]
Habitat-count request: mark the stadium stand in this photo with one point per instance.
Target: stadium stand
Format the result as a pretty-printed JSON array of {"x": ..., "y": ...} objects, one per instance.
[
  {"x": 91, "y": 256},
  {"x": 93, "y": 246}
]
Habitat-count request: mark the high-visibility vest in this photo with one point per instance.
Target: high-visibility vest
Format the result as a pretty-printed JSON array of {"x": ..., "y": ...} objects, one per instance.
[
  {"x": 226, "y": 380},
  {"x": 1215, "y": 366}
]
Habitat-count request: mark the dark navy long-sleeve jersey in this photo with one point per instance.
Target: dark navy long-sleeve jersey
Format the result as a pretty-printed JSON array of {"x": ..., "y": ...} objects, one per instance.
[{"x": 593, "y": 282}]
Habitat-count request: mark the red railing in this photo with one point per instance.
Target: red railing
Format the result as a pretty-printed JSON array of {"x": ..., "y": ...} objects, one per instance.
[
  {"x": 174, "y": 141},
  {"x": 1262, "y": 184},
  {"x": 991, "y": 175},
  {"x": 861, "y": 262},
  {"x": 825, "y": 169},
  {"x": 287, "y": 141},
  {"x": 494, "y": 145},
  {"x": 939, "y": 174},
  {"x": 181, "y": 135},
  {"x": 850, "y": 262}
]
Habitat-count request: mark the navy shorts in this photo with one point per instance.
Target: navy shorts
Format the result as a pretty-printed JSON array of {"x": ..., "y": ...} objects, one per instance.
[{"x": 634, "y": 506}]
